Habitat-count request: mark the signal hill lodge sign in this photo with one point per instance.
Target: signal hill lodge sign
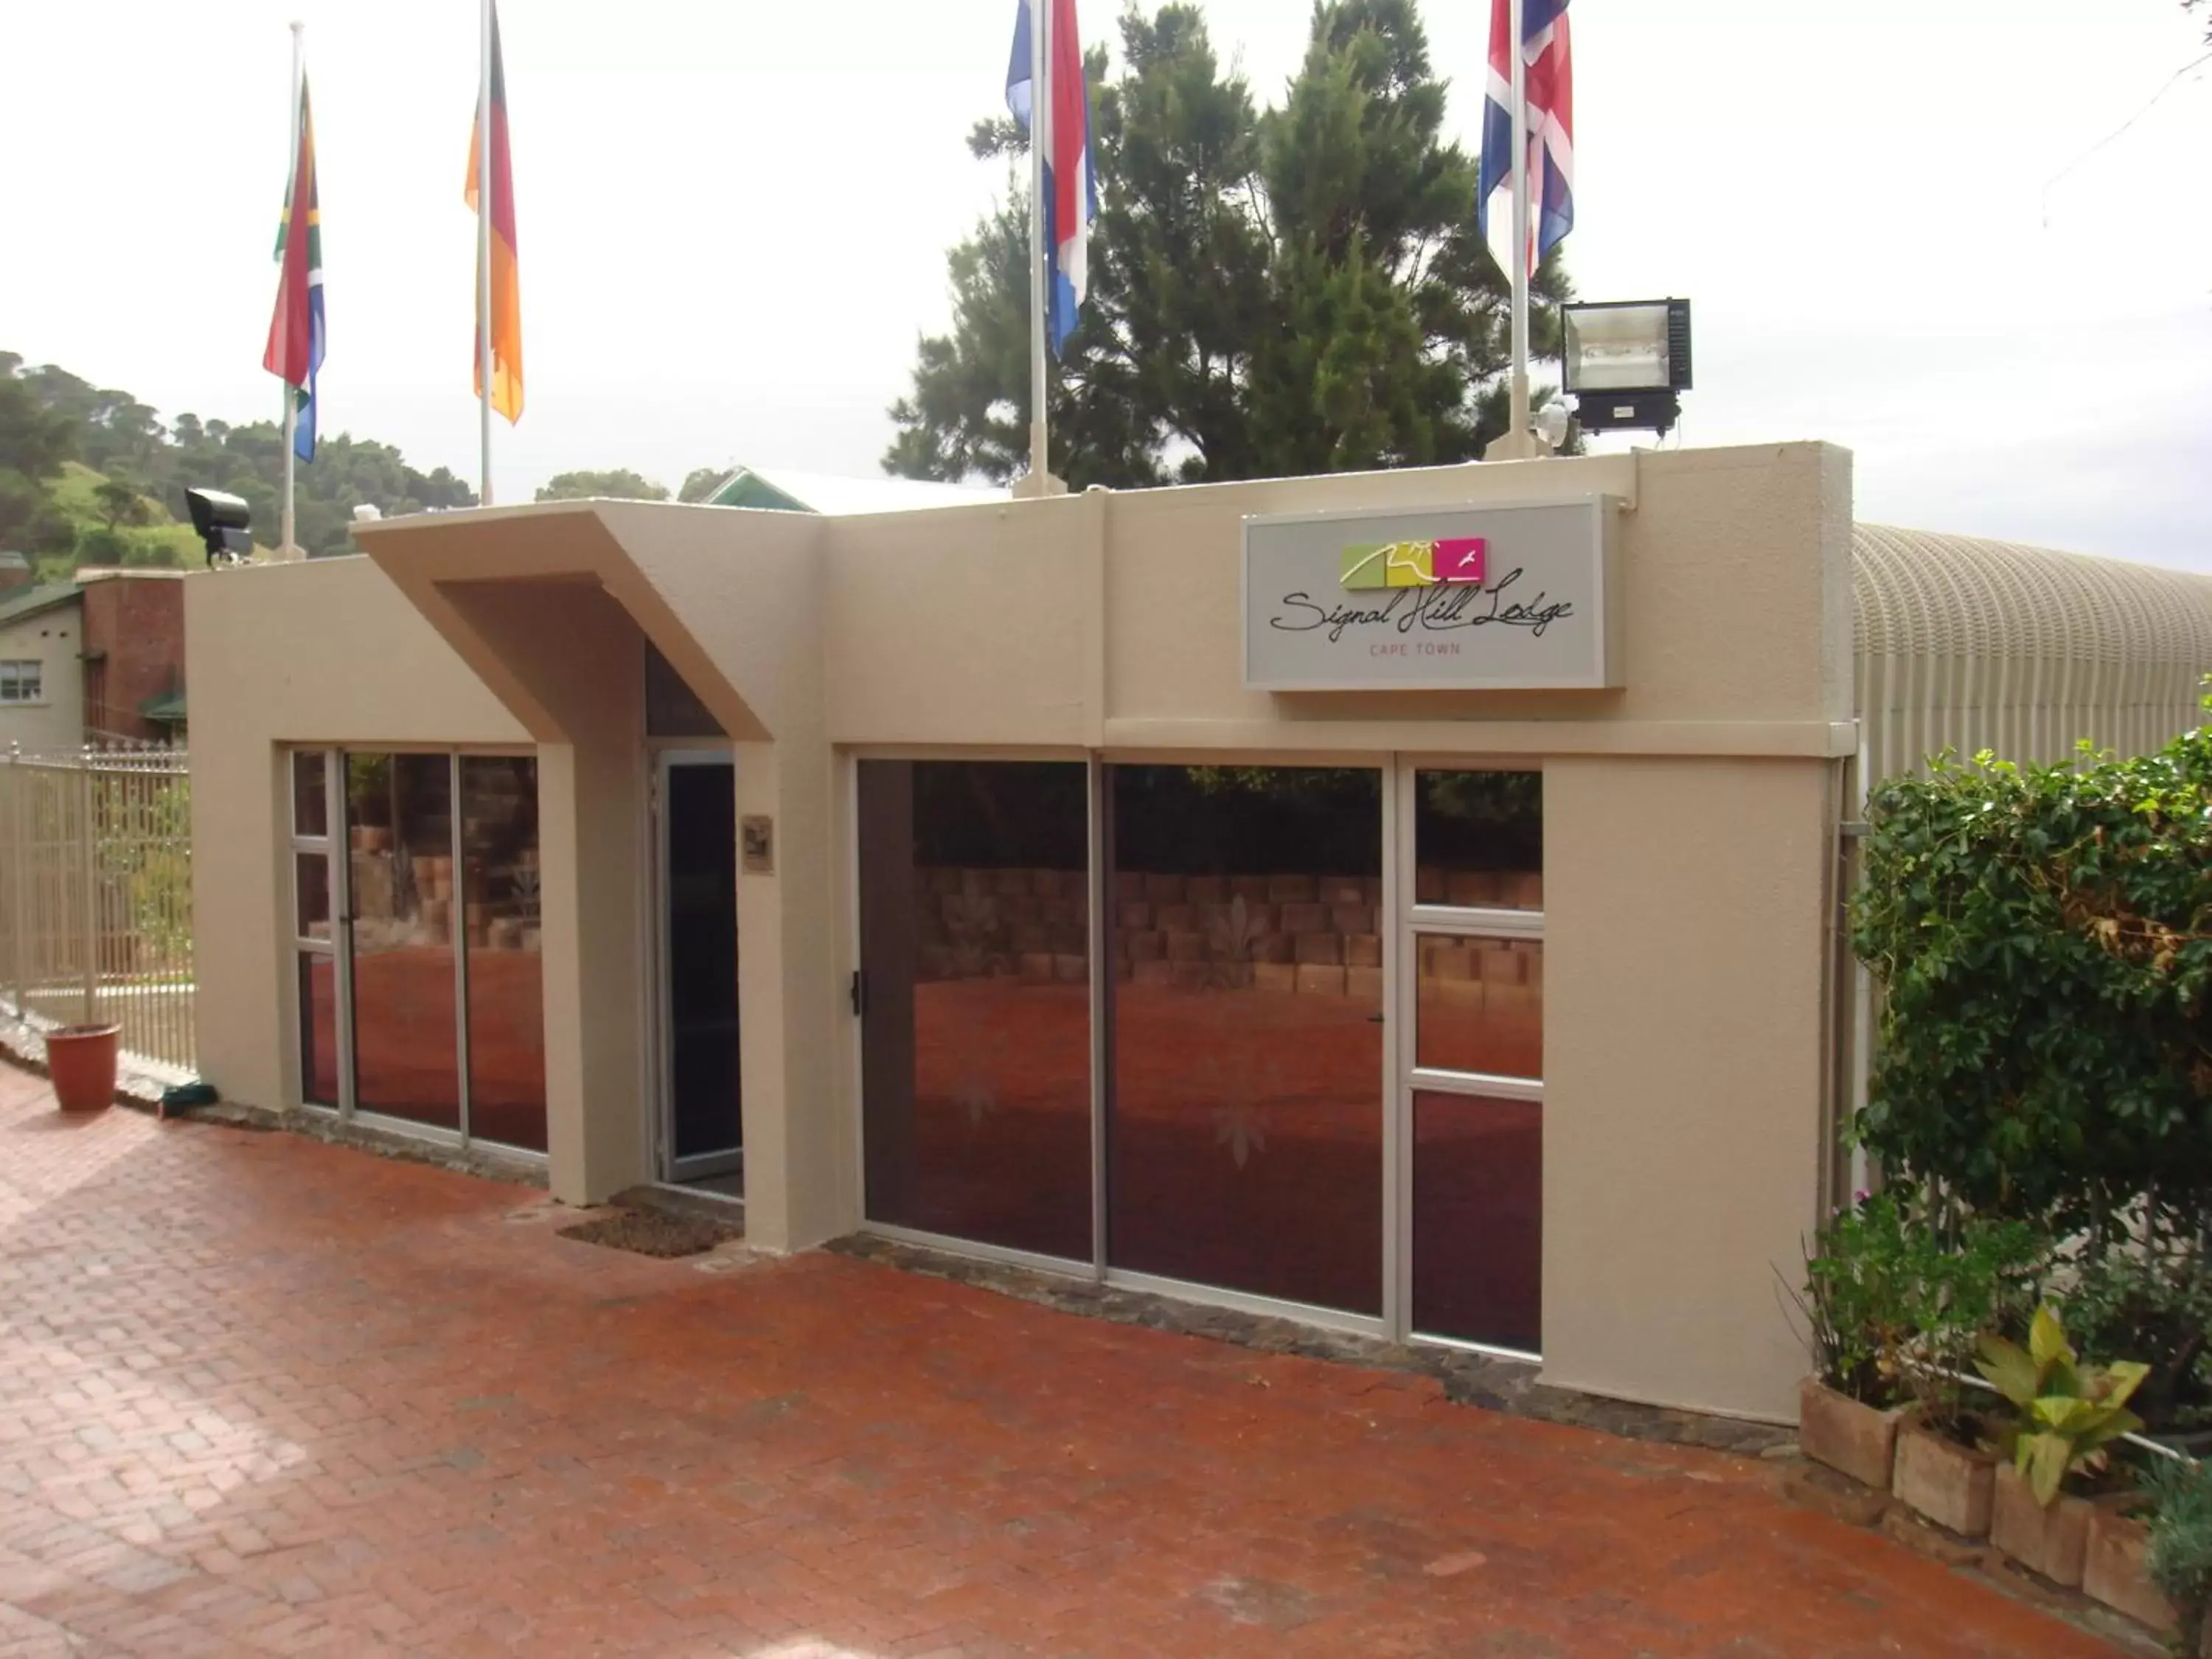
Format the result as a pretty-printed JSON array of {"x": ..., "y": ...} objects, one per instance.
[{"x": 1491, "y": 599}]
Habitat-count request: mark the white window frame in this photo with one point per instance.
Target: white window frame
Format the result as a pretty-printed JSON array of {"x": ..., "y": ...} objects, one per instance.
[
  {"x": 1413, "y": 921},
  {"x": 24, "y": 680}
]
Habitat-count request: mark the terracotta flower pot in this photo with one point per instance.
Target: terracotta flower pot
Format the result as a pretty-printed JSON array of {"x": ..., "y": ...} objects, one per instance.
[
  {"x": 81, "y": 1059},
  {"x": 1854, "y": 1439},
  {"x": 2053, "y": 1541},
  {"x": 1952, "y": 1485},
  {"x": 2113, "y": 1573}
]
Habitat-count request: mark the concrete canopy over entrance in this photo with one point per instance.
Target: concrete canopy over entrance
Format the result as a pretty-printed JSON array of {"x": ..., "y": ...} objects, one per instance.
[{"x": 551, "y": 606}]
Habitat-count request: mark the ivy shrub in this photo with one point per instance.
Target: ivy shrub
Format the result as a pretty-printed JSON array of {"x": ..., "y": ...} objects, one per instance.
[{"x": 2043, "y": 937}]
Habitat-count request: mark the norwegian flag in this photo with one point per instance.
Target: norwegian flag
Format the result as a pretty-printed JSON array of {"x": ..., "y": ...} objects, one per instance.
[{"x": 1550, "y": 80}]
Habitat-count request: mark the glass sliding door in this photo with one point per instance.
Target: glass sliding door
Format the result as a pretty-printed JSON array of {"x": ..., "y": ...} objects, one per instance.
[
  {"x": 406, "y": 1009},
  {"x": 1473, "y": 998},
  {"x": 974, "y": 995},
  {"x": 505, "y": 978},
  {"x": 1244, "y": 1122},
  {"x": 418, "y": 989}
]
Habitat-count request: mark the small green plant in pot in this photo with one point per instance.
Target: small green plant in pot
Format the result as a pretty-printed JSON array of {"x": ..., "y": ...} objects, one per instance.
[
  {"x": 2180, "y": 1555},
  {"x": 2066, "y": 1413}
]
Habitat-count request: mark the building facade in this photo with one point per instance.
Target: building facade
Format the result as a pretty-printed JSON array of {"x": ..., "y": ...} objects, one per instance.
[
  {"x": 1404, "y": 902},
  {"x": 99, "y": 658}
]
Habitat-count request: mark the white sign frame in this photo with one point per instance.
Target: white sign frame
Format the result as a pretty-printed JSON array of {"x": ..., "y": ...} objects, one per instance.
[{"x": 1600, "y": 668}]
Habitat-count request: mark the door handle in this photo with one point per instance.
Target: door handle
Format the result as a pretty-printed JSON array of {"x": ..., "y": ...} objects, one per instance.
[{"x": 859, "y": 992}]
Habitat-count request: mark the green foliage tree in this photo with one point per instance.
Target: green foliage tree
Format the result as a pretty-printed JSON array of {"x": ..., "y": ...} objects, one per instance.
[
  {"x": 616, "y": 483},
  {"x": 120, "y": 503},
  {"x": 2043, "y": 939},
  {"x": 34, "y": 442},
  {"x": 703, "y": 482},
  {"x": 1289, "y": 290}
]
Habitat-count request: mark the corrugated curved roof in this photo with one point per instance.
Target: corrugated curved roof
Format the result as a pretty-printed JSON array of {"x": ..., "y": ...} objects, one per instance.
[
  {"x": 1966, "y": 644},
  {"x": 1917, "y": 594}
]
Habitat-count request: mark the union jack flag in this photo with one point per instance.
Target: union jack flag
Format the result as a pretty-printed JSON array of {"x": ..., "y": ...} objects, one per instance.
[{"x": 1550, "y": 81}]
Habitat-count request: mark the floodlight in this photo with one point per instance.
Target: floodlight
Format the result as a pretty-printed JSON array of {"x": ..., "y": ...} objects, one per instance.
[
  {"x": 224, "y": 523},
  {"x": 1626, "y": 361}
]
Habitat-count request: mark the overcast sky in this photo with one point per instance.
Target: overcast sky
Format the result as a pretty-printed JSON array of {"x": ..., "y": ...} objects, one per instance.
[{"x": 733, "y": 214}]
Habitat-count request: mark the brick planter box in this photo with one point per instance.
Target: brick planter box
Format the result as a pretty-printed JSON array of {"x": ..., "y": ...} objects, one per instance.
[
  {"x": 2112, "y": 1569},
  {"x": 1850, "y": 1438},
  {"x": 1952, "y": 1485},
  {"x": 2053, "y": 1541}
]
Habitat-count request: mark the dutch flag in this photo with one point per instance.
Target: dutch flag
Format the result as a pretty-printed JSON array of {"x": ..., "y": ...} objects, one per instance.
[
  {"x": 1071, "y": 183},
  {"x": 1550, "y": 80}
]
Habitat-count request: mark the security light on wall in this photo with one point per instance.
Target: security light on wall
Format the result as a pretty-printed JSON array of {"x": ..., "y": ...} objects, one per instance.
[
  {"x": 224, "y": 523},
  {"x": 1626, "y": 362}
]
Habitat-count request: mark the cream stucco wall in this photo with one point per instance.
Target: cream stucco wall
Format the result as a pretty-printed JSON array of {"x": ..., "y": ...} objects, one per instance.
[
  {"x": 1690, "y": 814},
  {"x": 53, "y": 639}
]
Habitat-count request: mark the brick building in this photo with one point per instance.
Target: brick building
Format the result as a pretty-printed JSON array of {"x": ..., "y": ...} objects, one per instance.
[{"x": 98, "y": 658}]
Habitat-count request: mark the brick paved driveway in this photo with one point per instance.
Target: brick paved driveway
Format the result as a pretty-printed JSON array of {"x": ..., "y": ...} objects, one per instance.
[{"x": 260, "y": 1394}]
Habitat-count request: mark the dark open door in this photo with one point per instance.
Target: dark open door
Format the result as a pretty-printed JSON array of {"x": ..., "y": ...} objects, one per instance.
[{"x": 705, "y": 1127}]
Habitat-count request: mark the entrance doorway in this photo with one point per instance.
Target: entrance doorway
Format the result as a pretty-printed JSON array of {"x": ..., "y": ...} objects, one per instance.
[{"x": 701, "y": 1123}]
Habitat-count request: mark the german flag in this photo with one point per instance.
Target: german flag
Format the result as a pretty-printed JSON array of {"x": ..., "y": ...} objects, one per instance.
[{"x": 506, "y": 271}]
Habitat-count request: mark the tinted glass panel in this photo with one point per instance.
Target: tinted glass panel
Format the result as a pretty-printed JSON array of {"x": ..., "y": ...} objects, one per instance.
[
  {"x": 1481, "y": 1006},
  {"x": 507, "y": 1014},
  {"x": 319, "y": 1030},
  {"x": 1245, "y": 1132},
  {"x": 311, "y": 887},
  {"x": 1478, "y": 1219},
  {"x": 1479, "y": 839},
  {"x": 311, "y": 805},
  {"x": 975, "y": 919},
  {"x": 399, "y": 833}
]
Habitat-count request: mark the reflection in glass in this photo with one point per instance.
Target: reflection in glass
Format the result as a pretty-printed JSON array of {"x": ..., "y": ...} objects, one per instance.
[
  {"x": 1479, "y": 839},
  {"x": 311, "y": 886},
  {"x": 318, "y": 1028},
  {"x": 311, "y": 805},
  {"x": 975, "y": 1057},
  {"x": 399, "y": 831},
  {"x": 1480, "y": 1006},
  {"x": 507, "y": 1020},
  {"x": 1478, "y": 1219},
  {"x": 1245, "y": 1128}
]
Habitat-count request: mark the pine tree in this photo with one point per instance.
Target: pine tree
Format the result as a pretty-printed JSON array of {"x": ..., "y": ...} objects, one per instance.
[{"x": 1280, "y": 291}]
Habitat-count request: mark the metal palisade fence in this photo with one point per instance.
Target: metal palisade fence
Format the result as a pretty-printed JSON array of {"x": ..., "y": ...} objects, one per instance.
[{"x": 96, "y": 896}]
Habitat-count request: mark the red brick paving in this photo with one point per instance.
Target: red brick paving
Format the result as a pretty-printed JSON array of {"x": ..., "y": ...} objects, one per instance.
[{"x": 262, "y": 1395}]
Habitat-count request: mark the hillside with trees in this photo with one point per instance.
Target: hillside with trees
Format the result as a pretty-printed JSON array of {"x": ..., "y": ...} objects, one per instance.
[{"x": 91, "y": 476}]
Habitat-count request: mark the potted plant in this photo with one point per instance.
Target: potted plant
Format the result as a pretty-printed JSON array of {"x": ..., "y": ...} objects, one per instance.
[
  {"x": 2065, "y": 1413},
  {"x": 81, "y": 1060},
  {"x": 1848, "y": 1410},
  {"x": 1965, "y": 1274},
  {"x": 2177, "y": 1554}
]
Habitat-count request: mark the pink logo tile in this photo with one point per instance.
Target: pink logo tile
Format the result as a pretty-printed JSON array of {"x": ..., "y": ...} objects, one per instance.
[{"x": 1460, "y": 559}]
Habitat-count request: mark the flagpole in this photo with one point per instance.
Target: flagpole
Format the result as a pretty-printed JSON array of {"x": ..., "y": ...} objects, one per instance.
[
  {"x": 1520, "y": 422},
  {"x": 1040, "y": 261},
  {"x": 294, "y": 226},
  {"x": 483, "y": 259}
]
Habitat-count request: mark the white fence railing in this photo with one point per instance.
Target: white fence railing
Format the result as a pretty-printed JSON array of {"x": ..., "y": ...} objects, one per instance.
[{"x": 96, "y": 895}]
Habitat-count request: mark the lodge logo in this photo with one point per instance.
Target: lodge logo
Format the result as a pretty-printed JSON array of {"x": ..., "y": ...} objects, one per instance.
[
  {"x": 1448, "y": 559},
  {"x": 1471, "y": 598}
]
